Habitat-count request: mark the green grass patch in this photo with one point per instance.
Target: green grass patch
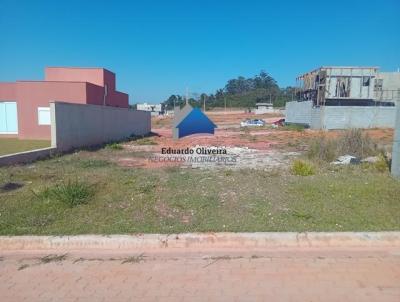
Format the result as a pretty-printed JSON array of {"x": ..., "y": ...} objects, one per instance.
[
  {"x": 292, "y": 127},
  {"x": 173, "y": 200},
  {"x": 14, "y": 145},
  {"x": 145, "y": 141},
  {"x": 94, "y": 163},
  {"x": 114, "y": 146}
]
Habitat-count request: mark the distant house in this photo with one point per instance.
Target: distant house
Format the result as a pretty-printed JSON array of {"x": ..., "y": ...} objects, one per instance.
[
  {"x": 262, "y": 108},
  {"x": 189, "y": 120},
  {"x": 24, "y": 105},
  {"x": 342, "y": 97},
  {"x": 154, "y": 109}
]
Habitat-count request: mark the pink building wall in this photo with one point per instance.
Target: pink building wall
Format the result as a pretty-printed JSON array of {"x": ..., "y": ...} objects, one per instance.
[
  {"x": 72, "y": 85},
  {"x": 97, "y": 76}
]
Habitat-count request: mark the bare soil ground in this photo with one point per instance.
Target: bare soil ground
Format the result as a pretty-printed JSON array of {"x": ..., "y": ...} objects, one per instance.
[{"x": 264, "y": 148}]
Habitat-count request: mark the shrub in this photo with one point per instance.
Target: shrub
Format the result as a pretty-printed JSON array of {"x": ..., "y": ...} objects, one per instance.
[
  {"x": 352, "y": 142},
  {"x": 302, "y": 168},
  {"x": 381, "y": 164},
  {"x": 71, "y": 193},
  {"x": 323, "y": 148}
]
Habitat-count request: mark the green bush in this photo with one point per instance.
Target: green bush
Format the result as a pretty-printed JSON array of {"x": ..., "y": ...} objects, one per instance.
[
  {"x": 302, "y": 168},
  {"x": 71, "y": 193}
]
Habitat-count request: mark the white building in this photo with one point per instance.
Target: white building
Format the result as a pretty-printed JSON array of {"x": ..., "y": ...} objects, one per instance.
[
  {"x": 262, "y": 108},
  {"x": 348, "y": 86},
  {"x": 340, "y": 97},
  {"x": 155, "y": 109}
]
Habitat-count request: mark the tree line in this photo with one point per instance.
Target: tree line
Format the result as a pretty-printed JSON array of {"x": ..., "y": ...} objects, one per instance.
[{"x": 240, "y": 92}]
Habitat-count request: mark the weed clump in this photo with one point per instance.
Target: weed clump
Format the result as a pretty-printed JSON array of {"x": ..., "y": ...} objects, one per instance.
[
  {"x": 71, "y": 193},
  {"x": 293, "y": 127},
  {"x": 94, "y": 163},
  {"x": 302, "y": 168},
  {"x": 114, "y": 146},
  {"x": 381, "y": 165},
  {"x": 323, "y": 148},
  {"x": 145, "y": 141},
  {"x": 355, "y": 142}
]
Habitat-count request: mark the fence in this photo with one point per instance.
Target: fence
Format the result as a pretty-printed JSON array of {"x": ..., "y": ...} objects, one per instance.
[{"x": 78, "y": 125}]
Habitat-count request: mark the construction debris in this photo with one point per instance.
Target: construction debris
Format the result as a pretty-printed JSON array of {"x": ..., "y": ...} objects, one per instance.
[{"x": 346, "y": 160}]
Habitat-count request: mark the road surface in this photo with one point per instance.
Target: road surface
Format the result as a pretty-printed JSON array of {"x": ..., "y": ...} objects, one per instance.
[{"x": 292, "y": 274}]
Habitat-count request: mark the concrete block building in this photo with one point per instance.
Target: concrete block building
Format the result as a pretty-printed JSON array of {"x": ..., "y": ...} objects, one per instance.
[
  {"x": 340, "y": 97},
  {"x": 24, "y": 105}
]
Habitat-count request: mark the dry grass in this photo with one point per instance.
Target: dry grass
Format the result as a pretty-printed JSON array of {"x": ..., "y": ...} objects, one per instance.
[{"x": 352, "y": 142}]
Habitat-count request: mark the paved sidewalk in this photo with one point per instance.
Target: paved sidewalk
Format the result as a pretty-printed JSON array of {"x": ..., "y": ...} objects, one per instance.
[{"x": 291, "y": 274}]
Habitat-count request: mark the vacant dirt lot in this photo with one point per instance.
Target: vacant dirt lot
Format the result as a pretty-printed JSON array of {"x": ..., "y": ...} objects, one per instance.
[
  {"x": 118, "y": 189},
  {"x": 264, "y": 148}
]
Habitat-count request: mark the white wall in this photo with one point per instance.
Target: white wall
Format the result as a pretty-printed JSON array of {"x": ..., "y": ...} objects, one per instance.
[
  {"x": 396, "y": 145},
  {"x": 78, "y": 125},
  {"x": 344, "y": 117},
  {"x": 298, "y": 112},
  {"x": 340, "y": 117}
]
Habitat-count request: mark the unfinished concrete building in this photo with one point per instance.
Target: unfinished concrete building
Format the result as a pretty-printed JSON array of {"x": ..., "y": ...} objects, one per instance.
[{"x": 340, "y": 97}]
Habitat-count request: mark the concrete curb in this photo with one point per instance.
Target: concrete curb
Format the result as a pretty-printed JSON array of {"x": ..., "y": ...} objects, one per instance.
[
  {"x": 203, "y": 241},
  {"x": 26, "y": 156}
]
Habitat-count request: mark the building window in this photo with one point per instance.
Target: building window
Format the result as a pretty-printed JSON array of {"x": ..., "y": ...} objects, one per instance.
[
  {"x": 342, "y": 87},
  {"x": 44, "y": 116},
  {"x": 365, "y": 81},
  {"x": 378, "y": 84}
]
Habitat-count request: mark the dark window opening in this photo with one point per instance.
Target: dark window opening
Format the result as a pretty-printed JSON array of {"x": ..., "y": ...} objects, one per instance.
[
  {"x": 366, "y": 81},
  {"x": 378, "y": 84}
]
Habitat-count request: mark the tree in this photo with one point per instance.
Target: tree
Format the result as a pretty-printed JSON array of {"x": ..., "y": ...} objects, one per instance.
[{"x": 240, "y": 92}]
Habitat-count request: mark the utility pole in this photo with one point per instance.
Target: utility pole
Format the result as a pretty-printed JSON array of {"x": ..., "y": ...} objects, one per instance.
[
  {"x": 204, "y": 103},
  {"x": 225, "y": 102},
  {"x": 187, "y": 96},
  {"x": 396, "y": 144}
]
